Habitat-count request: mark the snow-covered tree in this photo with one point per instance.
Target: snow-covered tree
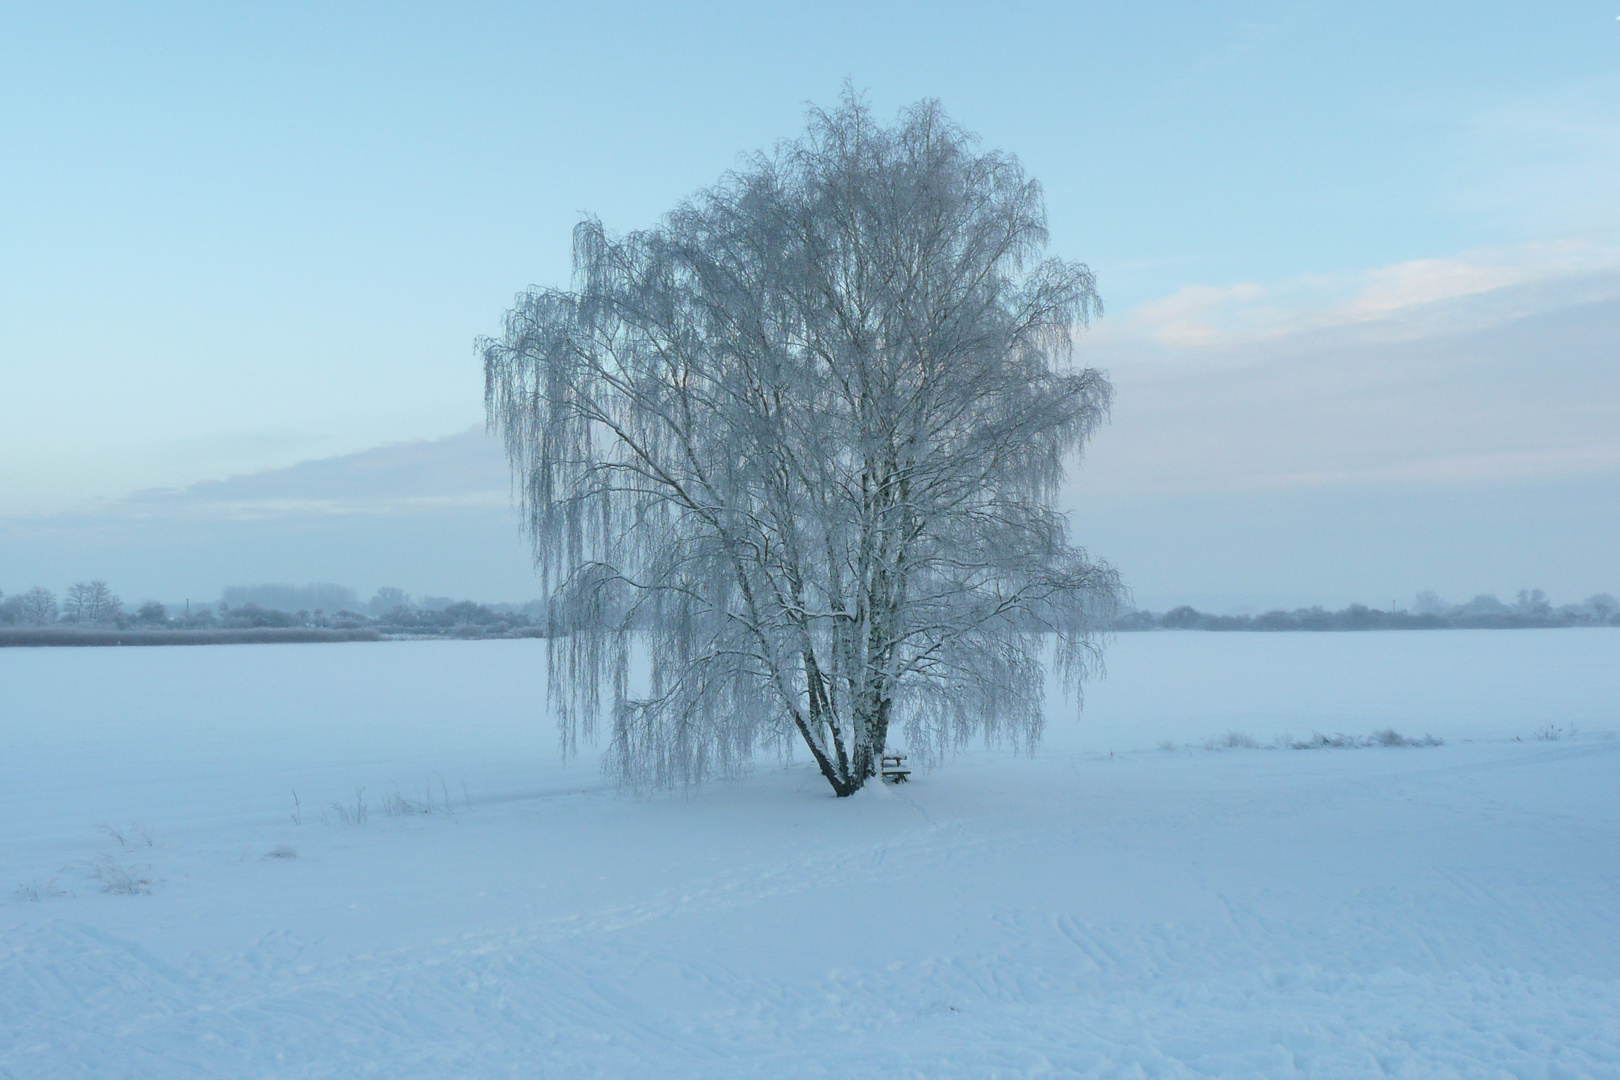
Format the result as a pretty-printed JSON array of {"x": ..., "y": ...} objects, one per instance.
[{"x": 806, "y": 435}]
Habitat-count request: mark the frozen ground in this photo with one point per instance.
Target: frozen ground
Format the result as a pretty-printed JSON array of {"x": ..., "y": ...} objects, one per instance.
[{"x": 1106, "y": 908}]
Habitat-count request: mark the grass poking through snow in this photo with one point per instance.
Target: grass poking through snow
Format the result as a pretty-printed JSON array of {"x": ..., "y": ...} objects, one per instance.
[{"x": 1238, "y": 740}]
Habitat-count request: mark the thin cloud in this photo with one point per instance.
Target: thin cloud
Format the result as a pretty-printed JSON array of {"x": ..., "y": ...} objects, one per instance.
[
  {"x": 455, "y": 473},
  {"x": 1491, "y": 383},
  {"x": 1199, "y": 321}
]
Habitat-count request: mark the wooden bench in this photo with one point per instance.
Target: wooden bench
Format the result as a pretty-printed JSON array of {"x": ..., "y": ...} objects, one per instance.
[{"x": 893, "y": 768}]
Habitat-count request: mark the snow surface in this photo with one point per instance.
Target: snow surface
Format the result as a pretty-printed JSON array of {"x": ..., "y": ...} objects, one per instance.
[{"x": 1104, "y": 908}]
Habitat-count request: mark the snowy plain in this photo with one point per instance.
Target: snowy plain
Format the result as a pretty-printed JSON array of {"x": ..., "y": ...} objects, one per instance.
[{"x": 1140, "y": 898}]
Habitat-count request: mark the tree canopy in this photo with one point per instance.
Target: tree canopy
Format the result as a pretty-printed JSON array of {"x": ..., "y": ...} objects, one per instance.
[{"x": 802, "y": 440}]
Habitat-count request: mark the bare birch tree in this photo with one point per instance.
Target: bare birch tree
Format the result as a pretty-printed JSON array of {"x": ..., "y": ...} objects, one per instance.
[{"x": 803, "y": 439}]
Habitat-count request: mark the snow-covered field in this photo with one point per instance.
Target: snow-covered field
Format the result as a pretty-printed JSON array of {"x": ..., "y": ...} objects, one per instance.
[{"x": 1109, "y": 907}]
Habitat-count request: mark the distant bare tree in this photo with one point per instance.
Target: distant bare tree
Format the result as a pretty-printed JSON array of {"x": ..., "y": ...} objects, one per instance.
[
  {"x": 807, "y": 433},
  {"x": 104, "y": 604},
  {"x": 387, "y": 599},
  {"x": 1430, "y": 603},
  {"x": 37, "y": 606},
  {"x": 1532, "y": 602},
  {"x": 90, "y": 602},
  {"x": 74, "y": 604}
]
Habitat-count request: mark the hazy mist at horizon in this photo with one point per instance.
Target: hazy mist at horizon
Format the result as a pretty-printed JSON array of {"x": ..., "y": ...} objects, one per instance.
[{"x": 1362, "y": 268}]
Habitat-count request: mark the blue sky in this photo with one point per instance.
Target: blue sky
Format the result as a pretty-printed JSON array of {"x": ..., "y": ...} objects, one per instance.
[{"x": 241, "y": 238}]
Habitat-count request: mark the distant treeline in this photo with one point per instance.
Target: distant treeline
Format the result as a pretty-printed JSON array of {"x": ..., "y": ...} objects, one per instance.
[
  {"x": 89, "y": 635},
  {"x": 92, "y": 614},
  {"x": 1485, "y": 612}
]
